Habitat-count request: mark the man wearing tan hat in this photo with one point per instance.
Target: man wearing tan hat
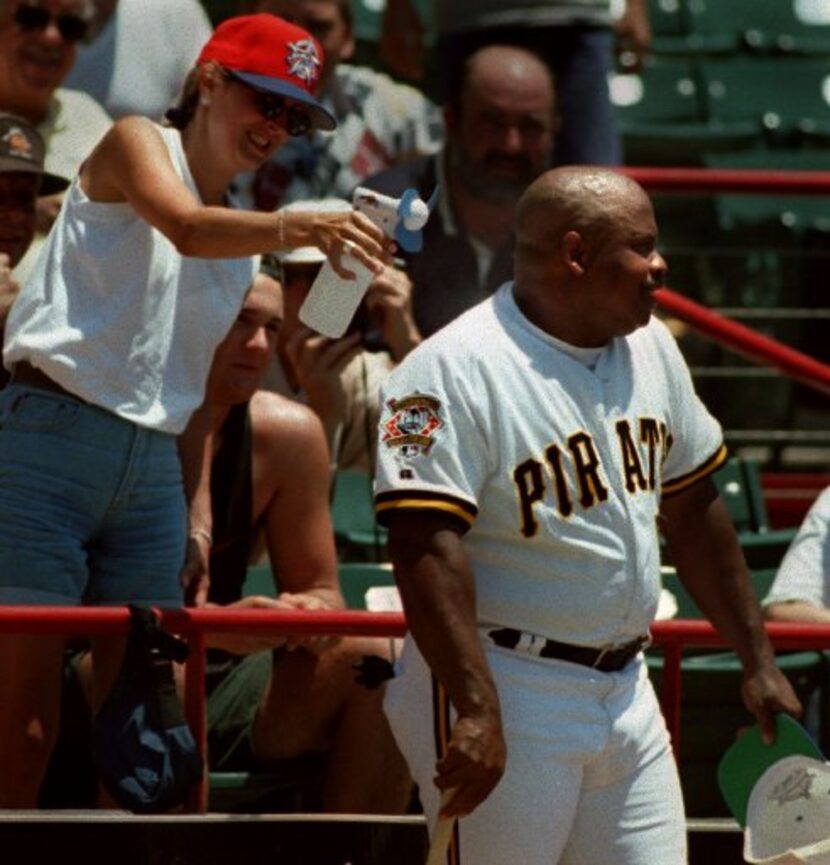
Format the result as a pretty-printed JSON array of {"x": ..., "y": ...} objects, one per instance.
[
  {"x": 22, "y": 180},
  {"x": 38, "y": 46}
]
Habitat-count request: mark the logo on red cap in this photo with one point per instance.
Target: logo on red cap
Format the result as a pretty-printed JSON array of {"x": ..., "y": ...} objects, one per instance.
[{"x": 303, "y": 61}]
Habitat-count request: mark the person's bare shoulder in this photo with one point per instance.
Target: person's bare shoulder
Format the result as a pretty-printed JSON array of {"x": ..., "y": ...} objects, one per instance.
[
  {"x": 289, "y": 450},
  {"x": 131, "y": 139},
  {"x": 284, "y": 428}
]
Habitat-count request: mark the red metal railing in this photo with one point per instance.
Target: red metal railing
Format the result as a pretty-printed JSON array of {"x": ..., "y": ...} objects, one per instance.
[
  {"x": 194, "y": 624},
  {"x": 676, "y": 634},
  {"x": 673, "y": 636},
  {"x": 741, "y": 339},
  {"x": 789, "y": 495},
  {"x": 746, "y": 341},
  {"x": 724, "y": 180}
]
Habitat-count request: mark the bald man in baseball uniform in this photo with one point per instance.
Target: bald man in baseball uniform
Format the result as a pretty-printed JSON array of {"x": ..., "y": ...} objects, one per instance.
[{"x": 527, "y": 452}]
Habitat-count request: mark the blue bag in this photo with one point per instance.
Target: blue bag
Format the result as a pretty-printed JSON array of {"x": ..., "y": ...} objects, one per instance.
[{"x": 141, "y": 745}]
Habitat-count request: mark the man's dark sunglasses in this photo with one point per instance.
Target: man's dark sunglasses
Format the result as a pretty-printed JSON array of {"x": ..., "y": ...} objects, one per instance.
[
  {"x": 72, "y": 28},
  {"x": 272, "y": 107}
]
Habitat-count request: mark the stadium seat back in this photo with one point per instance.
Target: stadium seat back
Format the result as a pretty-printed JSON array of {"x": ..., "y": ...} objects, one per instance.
[
  {"x": 789, "y": 96},
  {"x": 797, "y": 26},
  {"x": 714, "y": 27},
  {"x": 357, "y": 578},
  {"x": 358, "y": 535},
  {"x": 664, "y": 90}
]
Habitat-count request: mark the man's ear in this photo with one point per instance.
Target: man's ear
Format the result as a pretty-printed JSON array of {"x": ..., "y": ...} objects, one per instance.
[{"x": 574, "y": 252}]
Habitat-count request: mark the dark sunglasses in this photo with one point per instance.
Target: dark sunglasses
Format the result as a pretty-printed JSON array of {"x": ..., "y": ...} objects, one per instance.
[
  {"x": 72, "y": 28},
  {"x": 272, "y": 107}
]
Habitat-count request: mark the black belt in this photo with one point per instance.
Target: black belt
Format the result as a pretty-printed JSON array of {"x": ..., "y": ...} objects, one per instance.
[
  {"x": 607, "y": 660},
  {"x": 26, "y": 374}
]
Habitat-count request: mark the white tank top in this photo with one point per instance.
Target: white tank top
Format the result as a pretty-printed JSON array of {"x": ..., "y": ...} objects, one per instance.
[{"x": 114, "y": 314}]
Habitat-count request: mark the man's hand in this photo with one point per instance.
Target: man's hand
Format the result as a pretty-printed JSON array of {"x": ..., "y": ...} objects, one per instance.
[
  {"x": 317, "y": 362},
  {"x": 473, "y": 764},
  {"x": 244, "y": 643},
  {"x": 766, "y": 692},
  {"x": 309, "y": 601},
  {"x": 249, "y": 643},
  {"x": 195, "y": 575},
  {"x": 389, "y": 301}
]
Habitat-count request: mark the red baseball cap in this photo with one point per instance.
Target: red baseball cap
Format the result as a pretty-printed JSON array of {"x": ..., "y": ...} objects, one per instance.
[{"x": 271, "y": 54}]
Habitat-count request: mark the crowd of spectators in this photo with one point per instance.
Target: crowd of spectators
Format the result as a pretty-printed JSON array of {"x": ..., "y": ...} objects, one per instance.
[{"x": 522, "y": 87}]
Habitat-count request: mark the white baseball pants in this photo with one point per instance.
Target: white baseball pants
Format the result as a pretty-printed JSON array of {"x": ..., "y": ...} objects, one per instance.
[{"x": 590, "y": 775}]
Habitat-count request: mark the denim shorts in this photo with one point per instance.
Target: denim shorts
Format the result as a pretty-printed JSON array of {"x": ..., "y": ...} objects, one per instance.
[{"x": 92, "y": 506}]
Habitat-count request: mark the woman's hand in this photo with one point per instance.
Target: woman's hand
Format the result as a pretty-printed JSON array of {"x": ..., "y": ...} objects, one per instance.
[{"x": 338, "y": 234}]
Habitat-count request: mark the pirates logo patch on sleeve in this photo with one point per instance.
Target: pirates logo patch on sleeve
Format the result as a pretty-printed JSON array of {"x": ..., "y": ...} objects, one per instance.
[{"x": 411, "y": 423}]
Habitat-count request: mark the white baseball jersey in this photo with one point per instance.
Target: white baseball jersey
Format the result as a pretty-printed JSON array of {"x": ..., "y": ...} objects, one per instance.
[
  {"x": 804, "y": 574},
  {"x": 555, "y": 469}
]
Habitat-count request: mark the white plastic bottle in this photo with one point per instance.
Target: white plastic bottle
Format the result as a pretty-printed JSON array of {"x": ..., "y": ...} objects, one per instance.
[{"x": 332, "y": 300}]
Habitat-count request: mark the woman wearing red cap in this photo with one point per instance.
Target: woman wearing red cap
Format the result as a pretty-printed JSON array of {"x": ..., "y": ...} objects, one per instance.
[{"x": 110, "y": 343}]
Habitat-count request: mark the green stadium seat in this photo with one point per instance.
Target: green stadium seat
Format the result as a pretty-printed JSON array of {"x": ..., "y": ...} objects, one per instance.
[
  {"x": 687, "y": 608},
  {"x": 666, "y": 17},
  {"x": 710, "y": 27},
  {"x": 787, "y": 96},
  {"x": 739, "y": 482},
  {"x": 259, "y": 580},
  {"x": 668, "y": 27},
  {"x": 356, "y": 578},
  {"x": 795, "y": 213},
  {"x": 663, "y": 120},
  {"x": 765, "y": 26},
  {"x": 356, "y": 531},
  {"x": 665, "y": 91},
  {"x": 791, "y": 26}
]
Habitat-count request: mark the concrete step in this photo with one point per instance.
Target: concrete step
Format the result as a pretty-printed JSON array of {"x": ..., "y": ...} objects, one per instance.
[{"x": 117, "y": 838}]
